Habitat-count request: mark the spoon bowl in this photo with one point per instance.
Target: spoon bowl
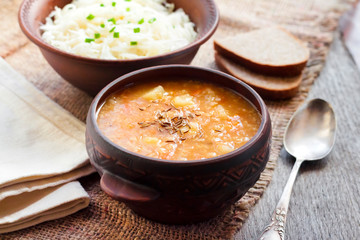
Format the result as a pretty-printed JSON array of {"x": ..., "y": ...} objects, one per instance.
[{"x": 310, "y": 135}]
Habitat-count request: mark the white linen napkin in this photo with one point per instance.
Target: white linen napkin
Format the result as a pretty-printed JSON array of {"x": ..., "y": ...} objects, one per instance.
[
  {"x": 30, "y": 208},
  {"x": 41, "y": 146}
]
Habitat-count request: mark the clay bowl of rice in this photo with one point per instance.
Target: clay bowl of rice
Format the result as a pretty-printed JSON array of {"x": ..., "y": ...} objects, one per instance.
[{"x": 92, "y": 42}]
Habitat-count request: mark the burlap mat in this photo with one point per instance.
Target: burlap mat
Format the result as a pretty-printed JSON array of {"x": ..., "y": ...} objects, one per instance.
[{"x": 312, "y": 21}]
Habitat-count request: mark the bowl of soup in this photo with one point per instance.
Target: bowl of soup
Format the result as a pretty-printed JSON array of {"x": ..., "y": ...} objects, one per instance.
[
  {"x": 90, "y": 43},
  {"x": 178, "y": 144}
]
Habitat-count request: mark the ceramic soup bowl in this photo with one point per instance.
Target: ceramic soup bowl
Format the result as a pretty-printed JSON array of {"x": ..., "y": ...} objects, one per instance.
[{"x": 174, "y": 191}]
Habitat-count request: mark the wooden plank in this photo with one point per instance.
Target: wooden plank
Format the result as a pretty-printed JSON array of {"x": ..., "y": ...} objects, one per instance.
[{"x": 325, "y": 202}]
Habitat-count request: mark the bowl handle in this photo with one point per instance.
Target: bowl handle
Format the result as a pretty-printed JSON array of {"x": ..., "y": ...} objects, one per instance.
[{"x": 125, "y": 190}]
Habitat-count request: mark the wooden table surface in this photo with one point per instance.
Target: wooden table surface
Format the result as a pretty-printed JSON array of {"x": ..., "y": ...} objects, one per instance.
[{"x": 325, "y": 202}]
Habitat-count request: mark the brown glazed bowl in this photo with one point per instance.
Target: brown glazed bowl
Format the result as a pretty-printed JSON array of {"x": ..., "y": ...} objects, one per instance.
[
  {"x": 91, "y": 75},
  {"x": 172, "y": 191}
]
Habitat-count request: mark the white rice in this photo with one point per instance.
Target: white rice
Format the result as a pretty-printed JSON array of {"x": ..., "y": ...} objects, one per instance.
[{"x": 141, "y": 28}]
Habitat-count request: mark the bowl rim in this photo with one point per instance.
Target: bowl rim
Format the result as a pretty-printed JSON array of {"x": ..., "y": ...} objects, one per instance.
[
  {"x": 215, "y": 17},
  {"x": 265, "y": 117}
]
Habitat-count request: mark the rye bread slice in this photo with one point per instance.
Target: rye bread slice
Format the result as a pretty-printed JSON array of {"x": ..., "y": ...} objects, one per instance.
[
  {"x": 269, "y": 87},
  {"x": 270, "y": 51}
]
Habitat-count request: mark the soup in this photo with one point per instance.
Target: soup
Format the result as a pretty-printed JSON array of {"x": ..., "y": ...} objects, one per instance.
[{"x": 178, "y": 120}]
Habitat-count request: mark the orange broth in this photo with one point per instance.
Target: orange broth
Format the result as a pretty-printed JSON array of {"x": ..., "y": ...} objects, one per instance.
[{"x": 178, "y": 120}]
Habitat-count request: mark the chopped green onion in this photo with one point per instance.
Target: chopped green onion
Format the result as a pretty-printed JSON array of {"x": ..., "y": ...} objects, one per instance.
[
  {"x": 152, "y": 20},
  {"x": 128, "y": 9},
  {"x": 102, "y": 25},
  {"x": 133, "y": 43},
  {"x": 97, "y": 35},
  {"x": 89, "y": 40},
  {"x": 90, "y": 17},
  {"x": 111, "y": 30},
  {"x": 102, "y": 5},
  {"x": 113, "y": 4},
  {"x": 136, "y": 30},
  {"x": 112, "y": 20},
  {"x": 141, "y": 21},
  {"x": 116, "y": 34}
]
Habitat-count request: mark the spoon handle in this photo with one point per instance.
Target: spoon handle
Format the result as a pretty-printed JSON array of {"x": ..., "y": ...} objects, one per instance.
[{"x": 276, "y": 229}]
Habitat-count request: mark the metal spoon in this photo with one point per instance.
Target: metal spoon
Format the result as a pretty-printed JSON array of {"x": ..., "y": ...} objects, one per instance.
[{"x": 309, "y": 136}]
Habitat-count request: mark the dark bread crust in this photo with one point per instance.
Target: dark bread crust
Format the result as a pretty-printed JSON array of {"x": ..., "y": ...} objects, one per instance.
[
  {"x": 287, "y": 70},
  {"x": 287, "y": 89},
  {"x": 283, "y": 71}
]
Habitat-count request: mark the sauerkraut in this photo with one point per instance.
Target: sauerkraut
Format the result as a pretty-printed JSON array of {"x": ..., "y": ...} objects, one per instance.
[{"x": 118, "y": 29}]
